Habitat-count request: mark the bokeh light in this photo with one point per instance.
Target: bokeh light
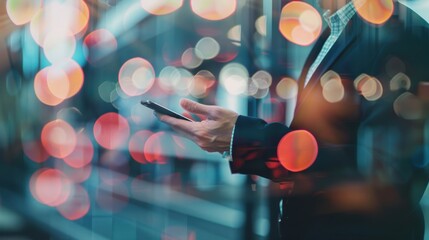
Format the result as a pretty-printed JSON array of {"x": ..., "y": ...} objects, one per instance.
[
  {"x": 234, "y": 34},
  {"x": 56, "y": 17},
  {"x": 136, "y": 76},
  {"x": 74, "y": 74},
  {"x": 201, "y": 84},
  {"x": 234, "y": 78},
  {"x": 261, "y": 25},
  {"x": 261, "y": 93},
  {"x": 74, "y": 116},
  {"x": 105, "y": 89},
  {"x": 287, "y": 88},
  {"x": 111, "y": 130},
  {"x": 58, "y": 138},
  {"x": 328, "y": 76},
  {"x": 259, "y": 84},
  {"x": 186, "y": 78},
  {"x": 408, "y": 106},
  {"x": 161, "y": 7},
  {"x": 190, "y": 58},
  {"x": 77, "y": 204},
  {"x": 214, "y": 9},
  {"x": 400, "y": 81},
  {"x": 22, "y": 11},
  {"x": 262, "y": 79},
  {"x": 172, "y": 51},
  {"x": 76, "y": 175},
  {"x": 59, "y": 46},
  {"x": 169, "y": 76},
  {"x": 374, "y": 11},
  {"x": 155, "y": 147},
  {"x": 50, "y": 187},
  {"x": 177, "y": 80},
  {"x": 423, "y": 92},
  {"x": 207, "y": 48},
  {"x": 252, "y": 88},
  {"x": 297, "y": 150},
  {"x": 333, "y": 89},
  {"x": 54, "y": 84},
  {"x": 35, "y": 151},
  {"x": 58, "y": 82},
  {"x": 300, "y": 23},
  {"x": 82, "y": 153},
  {"x": 228, "y": 51},
  {"x": 136, "y": 145},
  {"x": 99, "y": 43},
  {"x": 369, "y": 87},
  {"x": 43, "y": 91}
]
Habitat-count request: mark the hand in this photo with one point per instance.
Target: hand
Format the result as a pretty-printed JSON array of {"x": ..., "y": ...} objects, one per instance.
[{"x": 212, "y": 134}]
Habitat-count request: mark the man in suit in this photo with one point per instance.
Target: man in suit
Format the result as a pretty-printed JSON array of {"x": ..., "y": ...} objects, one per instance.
[{"x": 371, "y": 167}]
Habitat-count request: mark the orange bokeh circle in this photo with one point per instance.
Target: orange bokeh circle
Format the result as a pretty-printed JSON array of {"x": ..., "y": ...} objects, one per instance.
[
  {"x": 374, "y": 11},
  {"x": 297, "y": 150},
  {"x": 54, "y": 84},
  {"x": 74, "y": 74},
  {"x": 214, "y": 10},
  {"x": 43, "y": 91},
  {"x": 300, "y": 23},
  {"x": 161, "y": 7}
]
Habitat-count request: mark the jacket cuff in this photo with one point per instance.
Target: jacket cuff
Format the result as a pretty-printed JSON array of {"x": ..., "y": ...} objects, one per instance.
[{"x": 254, "y": 148}]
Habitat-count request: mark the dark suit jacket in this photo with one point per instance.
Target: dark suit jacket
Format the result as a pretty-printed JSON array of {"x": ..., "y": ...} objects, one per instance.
[{"x": 370, "y": 172}]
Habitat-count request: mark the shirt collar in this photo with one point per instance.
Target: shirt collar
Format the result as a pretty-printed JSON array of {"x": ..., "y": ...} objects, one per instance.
[{"x": 338, "y": 21}]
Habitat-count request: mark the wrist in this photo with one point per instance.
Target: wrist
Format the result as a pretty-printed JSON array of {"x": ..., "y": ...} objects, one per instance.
[{"x": 228, "y": 154}]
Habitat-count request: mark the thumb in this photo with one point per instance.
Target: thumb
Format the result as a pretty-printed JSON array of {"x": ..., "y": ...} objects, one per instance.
[{"x": 195, "y": 107}]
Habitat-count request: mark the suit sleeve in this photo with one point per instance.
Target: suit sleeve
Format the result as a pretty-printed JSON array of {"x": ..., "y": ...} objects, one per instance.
[{"x": 254, "y": 149}]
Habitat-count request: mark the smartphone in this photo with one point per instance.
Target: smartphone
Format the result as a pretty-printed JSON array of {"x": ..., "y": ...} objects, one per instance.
[{"x": 163, "y": 110}]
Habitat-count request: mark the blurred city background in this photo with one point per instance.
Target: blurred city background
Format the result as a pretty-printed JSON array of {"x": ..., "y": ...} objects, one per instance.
[{"x": 81, "y": 158}]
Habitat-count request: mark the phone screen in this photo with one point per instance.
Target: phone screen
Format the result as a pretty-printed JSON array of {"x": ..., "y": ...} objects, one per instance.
[{"x": 163, "y": 110}]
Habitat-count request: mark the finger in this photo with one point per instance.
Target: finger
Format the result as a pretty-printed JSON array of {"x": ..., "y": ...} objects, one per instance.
[
  {"x": 188, "y": 115},
  {"x": 201, "y": 117},
  {"x": 182, "y": 133},
  {"x": 195, "y": 117},
  {"x": 177, "y": 124},
  {"x": 195, "y": 107}
]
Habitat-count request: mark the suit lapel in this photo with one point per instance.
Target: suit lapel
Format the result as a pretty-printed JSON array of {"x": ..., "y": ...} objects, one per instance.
[
  {"x": 344, "y": 41},
  {"x": 312, "y": 57}
]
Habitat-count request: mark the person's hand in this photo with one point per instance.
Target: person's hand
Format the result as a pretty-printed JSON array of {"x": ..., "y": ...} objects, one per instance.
[{"x": 213, "y": 133}]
